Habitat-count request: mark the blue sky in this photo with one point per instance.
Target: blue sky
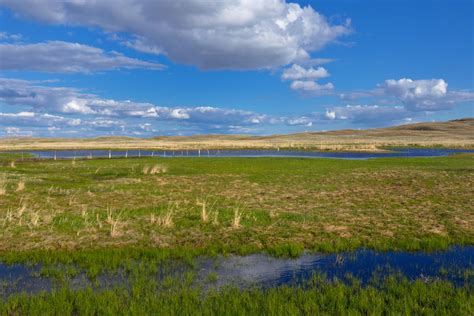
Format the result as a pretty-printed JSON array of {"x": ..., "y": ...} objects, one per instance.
[{"x": 143, "y": 68}]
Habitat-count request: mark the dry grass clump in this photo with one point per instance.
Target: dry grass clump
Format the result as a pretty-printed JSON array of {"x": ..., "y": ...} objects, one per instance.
[
  {"x": 20, "y": 186},
  {"x": 21, "y": 209},
  {"x": 237, "y": 217},
  {"x": 159, "y": 168},
  {"x": 114, "y": 220},
  {"x": 3, "y": 186},
  {"x": 34, "y": 219},
  {"x": 22, "y": 215},
  {"x": 7, "y": 218},
  {"x": 208, "y": 210},
  {"x": 166, "y": 219}
]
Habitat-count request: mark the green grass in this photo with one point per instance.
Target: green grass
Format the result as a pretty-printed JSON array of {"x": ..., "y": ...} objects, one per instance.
[
  {"x": 394, "y": 296},
  {"x": 286, "y": 205}
]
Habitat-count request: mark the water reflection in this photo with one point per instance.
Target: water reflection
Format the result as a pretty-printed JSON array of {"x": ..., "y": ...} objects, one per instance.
[{"x": 265, "y": 271}]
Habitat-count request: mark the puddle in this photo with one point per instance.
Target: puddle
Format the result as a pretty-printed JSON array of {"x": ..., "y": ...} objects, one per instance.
[
  {"x": 455, "y": 265},
  {"x": 405, "y": 152},
  {"x": 262, "y": 270}
]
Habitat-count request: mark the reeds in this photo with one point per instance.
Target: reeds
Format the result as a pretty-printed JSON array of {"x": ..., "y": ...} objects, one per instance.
[
  {"x": 114, "y": 220},
  {"x": 208, "y": 210}
]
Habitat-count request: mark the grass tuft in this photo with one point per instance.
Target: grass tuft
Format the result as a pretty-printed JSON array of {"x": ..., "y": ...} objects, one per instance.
[
  {"x": 237, "y": 217},
  {"x": 20, "y": 186}
]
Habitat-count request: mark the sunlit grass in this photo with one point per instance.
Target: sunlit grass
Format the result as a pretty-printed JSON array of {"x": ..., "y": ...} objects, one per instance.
[{"x": 234, "y": 204}]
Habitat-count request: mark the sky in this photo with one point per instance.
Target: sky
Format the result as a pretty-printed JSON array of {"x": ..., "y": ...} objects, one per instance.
[{"x": 84, "y": 68}]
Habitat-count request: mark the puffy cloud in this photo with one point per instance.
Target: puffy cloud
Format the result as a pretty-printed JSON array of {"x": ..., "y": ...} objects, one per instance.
[
  {"x": 296, "y": 72},
  {"x": 312, "y": 86},
  {"x": 415, "y": 95},
  {"x": 424, "y": 95},
  {"x": 418, "y": 94},
  {"x": 408, "y": 89},
  {"x": 367, "y": 114},
  {"x": 58, "y": 56},
  {"x": 179, "y": 114},
  {"x": 224, "y": 34},
  {"x": 304, "y": 79}
]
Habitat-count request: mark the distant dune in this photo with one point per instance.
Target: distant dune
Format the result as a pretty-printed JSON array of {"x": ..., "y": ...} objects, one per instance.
[{"x": 455, "y": 133}]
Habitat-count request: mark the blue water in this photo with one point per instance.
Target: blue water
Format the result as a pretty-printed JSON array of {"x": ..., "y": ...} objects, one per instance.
[
  {"x": 405, "y": 152},
  {"x": 264, "y": 271}
]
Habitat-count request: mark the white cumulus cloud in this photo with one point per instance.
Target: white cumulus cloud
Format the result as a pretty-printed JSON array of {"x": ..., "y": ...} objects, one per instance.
[
  {"x": 296, "y": 72},
  {"x": 224, "y": 34},
  {"x": 312, "y": 86}
]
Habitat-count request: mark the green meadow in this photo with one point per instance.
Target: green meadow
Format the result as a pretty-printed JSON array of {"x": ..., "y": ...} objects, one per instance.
[{"x": 237, "y": 205}]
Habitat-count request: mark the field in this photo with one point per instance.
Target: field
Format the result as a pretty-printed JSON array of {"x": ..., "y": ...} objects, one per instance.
[
  {"x": 115, "y": 215},
  {"x": 237, "y": 204}
]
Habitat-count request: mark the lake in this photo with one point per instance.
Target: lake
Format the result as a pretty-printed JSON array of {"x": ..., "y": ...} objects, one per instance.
[{"x": 397, "y": 152}]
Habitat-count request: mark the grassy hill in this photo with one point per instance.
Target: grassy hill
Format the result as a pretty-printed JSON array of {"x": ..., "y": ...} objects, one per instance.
[{"x": 455, "y": 133}]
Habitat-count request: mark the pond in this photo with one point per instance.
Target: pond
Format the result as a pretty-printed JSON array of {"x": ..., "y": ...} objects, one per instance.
[
  {"x": 397, "y": 152},
  {"x": 364, "y": 265},
  {"x": 455, "y": 265}
]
